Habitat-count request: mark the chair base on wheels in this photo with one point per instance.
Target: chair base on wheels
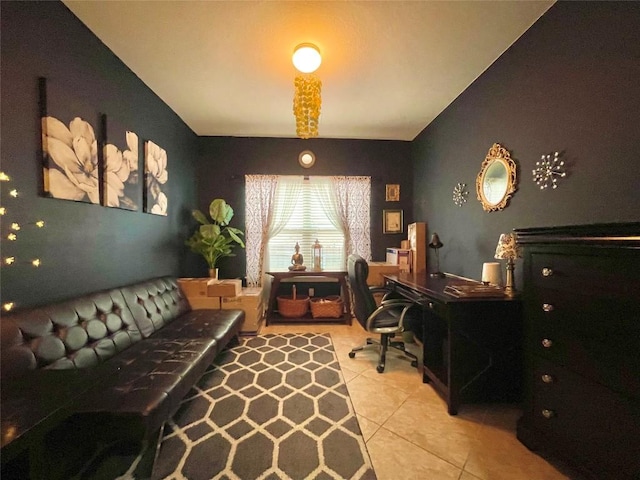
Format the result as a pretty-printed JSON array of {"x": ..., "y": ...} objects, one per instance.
[{"x": 384, "y": 344}]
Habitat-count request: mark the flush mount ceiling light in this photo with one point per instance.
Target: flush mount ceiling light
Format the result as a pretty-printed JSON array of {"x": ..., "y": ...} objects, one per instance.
[
  {"x": 307, "y": 99},
  {"x": 306, "y": 58},
  {"x": 307, "y": 158}
]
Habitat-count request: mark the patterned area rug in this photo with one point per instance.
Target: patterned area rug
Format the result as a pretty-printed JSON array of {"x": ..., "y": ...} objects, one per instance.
[{"x": 274, "y": 407}]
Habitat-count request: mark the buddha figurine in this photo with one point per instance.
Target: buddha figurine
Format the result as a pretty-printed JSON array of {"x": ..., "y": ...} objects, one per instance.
[{"x": 297, "y": 260}]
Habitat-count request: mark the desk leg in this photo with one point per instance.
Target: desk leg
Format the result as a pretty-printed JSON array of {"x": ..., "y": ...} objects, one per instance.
[{"x": 275, "y": 283}]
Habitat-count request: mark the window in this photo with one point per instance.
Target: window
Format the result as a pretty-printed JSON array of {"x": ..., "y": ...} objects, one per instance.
[
  {"x": 270, "y": 204},
  {"x": 307, "y": 223}
]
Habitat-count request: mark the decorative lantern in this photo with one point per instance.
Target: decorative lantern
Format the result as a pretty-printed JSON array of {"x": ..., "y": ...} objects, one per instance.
[{"x": 317, "y": 256}]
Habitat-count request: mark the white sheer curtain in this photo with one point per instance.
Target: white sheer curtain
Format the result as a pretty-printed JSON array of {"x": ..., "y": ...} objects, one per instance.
[
  {"x": 287, "y": 195},
  {"x": 265, "y": 217},
  {"x": 347, "y": 203}
]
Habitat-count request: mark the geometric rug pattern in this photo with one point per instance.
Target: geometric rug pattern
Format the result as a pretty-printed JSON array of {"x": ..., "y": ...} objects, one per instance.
[{"x": 273, "y": 407}]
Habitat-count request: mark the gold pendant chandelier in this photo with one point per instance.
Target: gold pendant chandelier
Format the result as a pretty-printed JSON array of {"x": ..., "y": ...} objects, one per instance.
[{"x": 307, "y": 96}]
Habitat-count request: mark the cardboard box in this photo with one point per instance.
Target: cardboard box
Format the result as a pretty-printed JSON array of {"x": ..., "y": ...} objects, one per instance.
[
  {"x": 251, "y": 300},
  {"x": 204, "y": 293},
  {"x": 418, "y": 246},
  {"x": 204, "y": 303},
  {"x": 377, "y": 270},
  {"x": 401, "y": 257},
  {"x": 193, "y": 287},
  {"x": 224, "y": 288}
]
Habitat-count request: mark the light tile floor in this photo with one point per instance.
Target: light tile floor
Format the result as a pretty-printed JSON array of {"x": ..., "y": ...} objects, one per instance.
[{"x": 409, "y": 433}]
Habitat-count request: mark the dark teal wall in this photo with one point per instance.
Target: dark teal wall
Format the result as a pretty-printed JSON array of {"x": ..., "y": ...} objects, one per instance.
[
  {"x": 225, "y": 160},
  {"x": 569, "y": 84},
  {"x": 83, "y": 247}
]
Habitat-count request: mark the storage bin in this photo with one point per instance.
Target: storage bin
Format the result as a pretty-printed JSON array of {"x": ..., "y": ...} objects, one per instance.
[
  {"x": 293, "y": 308},
  {"x": 327, "y": 307}
]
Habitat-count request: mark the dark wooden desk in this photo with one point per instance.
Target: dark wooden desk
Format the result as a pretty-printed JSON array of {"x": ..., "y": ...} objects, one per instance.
[
  {"x": 340, "y": 276},
  {"x": 472, "y": 347}
]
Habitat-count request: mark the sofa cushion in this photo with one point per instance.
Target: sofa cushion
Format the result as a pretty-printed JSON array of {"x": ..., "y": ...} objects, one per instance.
[
  {"x": 146, "y": 383},
  {"x": 222, "y": 325},
  {"x": 78, "y": 333},
  {"x": 155, "y": 303}
]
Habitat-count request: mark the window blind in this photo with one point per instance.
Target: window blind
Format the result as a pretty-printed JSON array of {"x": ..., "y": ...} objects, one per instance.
[{"x": 307, "y": 223}]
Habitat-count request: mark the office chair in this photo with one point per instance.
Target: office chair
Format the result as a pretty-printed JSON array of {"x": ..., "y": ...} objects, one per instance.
[{"x": 387, "y": 319}]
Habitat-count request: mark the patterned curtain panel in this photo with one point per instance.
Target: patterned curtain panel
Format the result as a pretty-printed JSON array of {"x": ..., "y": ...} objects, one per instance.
[
  {"x": 260, "y": 192},
  {"x": 353, "y": 198}
]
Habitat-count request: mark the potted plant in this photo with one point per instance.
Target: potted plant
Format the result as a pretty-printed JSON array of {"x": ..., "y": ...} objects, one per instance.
[{"x": 215, "y": 239}]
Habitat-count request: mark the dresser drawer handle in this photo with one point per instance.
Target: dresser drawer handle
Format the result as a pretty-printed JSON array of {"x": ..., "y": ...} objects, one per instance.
[
  {"x": 546, "y": 343},
  {"x": 547, "y": 272},
  {"x": 547, "y": 307},
  {"x": 546, "y": 413},
  {"x": 432, "y": 305},
  {"x": 546, "y": 378}
]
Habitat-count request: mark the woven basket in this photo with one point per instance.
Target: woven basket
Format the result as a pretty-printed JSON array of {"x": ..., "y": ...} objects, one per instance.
[
  {"x": 290, "y": 308},
  {"x": 328, "y": 307}
]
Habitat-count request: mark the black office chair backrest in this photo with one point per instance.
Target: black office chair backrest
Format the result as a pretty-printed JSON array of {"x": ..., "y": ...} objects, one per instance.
[{"x": 363, "y": 302}]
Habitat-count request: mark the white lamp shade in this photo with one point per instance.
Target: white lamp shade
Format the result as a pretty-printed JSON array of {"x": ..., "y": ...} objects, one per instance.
[{"x": 306, "y": 58}]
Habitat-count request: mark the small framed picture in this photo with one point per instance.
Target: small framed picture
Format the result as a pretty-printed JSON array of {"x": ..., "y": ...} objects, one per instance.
[
  {"x": 392, "y": 221},
  {"x": 393, "y": 192}
]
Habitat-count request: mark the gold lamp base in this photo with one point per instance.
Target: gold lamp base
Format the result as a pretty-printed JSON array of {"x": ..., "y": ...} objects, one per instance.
[{"x": 509, "y": 287}]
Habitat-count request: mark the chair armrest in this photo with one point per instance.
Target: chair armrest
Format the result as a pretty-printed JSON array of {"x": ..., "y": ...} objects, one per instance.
[
  {"x": 386, "y": 291},
  {"x": 376, "y": 289},
  {"x": 396, "y": 304}
]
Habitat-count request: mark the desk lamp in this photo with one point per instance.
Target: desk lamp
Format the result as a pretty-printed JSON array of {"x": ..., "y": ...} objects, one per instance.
[
  {"x": 508, "y": 250},
  {"x": 436, "y": 244}
]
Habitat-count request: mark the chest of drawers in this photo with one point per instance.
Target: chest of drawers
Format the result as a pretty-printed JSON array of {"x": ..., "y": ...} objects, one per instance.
[{"x": 581, "y": 303}]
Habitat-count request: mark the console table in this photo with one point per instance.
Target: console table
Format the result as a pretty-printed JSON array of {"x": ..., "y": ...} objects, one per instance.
[
  {"x": 471, "y": 346},
  {"x": 341, "y": 276}
]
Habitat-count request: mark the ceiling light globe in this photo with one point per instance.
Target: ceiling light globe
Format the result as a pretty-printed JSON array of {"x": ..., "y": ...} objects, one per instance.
[{"x": 306, "y": 58}]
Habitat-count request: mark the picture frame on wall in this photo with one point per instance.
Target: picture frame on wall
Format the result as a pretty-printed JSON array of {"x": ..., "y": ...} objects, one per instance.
[
  {"x": 121, "y": 166},
  {"x": 392, "y": 192},
  {"x": 156, "y": 175},
  {"x": 392, "y": 221},
  {"x": 71, "y": 136}
]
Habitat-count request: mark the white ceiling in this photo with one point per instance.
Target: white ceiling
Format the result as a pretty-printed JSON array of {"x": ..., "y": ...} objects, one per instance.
[{"x": 389, "y": 67}]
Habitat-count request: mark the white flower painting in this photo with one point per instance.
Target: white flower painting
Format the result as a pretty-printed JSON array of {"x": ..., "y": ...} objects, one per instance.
[
  {"x": 70, "y": 160},
  {"x": 156, "y": 178},
  {"x": 121, "y": 174}
]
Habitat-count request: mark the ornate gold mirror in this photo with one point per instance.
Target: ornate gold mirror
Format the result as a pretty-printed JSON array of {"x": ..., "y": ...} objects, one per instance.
[{"x": 496, "y": 181}]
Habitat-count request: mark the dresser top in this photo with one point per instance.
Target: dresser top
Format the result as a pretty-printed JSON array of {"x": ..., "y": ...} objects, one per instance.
[{"x": 616, "y": 234}]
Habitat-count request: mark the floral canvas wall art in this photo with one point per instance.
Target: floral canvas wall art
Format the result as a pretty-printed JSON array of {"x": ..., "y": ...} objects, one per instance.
[
  {"x": 156, "y": 176},
  {"x": 70, "y": 160},
  {"x": 121, "y": 179},
  {"x": 69, "y": 146}
]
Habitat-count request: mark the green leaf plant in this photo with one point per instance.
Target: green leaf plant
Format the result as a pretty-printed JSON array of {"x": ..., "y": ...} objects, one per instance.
[{"x": 215, "y": 239}]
